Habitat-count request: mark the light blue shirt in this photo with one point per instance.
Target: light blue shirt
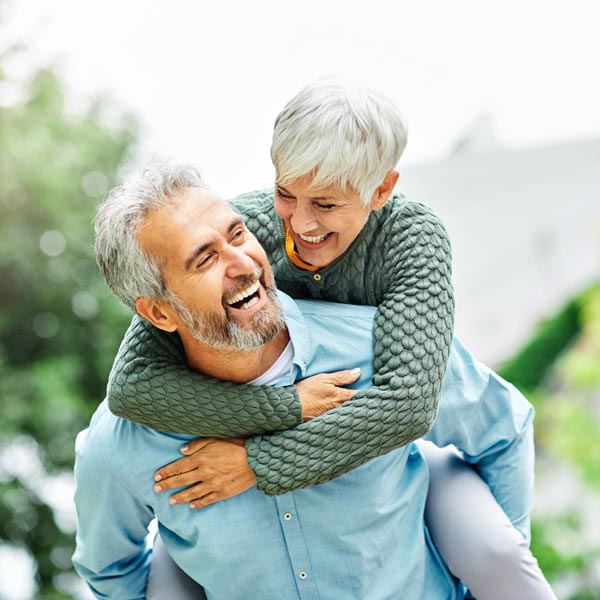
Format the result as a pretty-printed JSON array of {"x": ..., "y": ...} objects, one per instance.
[{"x": 360, "y": 536}]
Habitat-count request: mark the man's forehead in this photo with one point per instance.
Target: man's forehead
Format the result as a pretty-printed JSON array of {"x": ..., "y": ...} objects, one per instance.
[
  {"x": 194, "y": 205},
  {"x": 203, "y": 204},
  {"x": 196, "y": 213}
]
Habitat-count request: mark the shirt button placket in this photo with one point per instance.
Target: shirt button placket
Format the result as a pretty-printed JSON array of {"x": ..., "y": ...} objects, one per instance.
[{"x": 296, "y": 546}]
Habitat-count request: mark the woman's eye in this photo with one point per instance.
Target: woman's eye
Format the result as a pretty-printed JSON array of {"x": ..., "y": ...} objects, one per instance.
[
  {"x": 326, "y": 206},
  {"x": 283, "y": 196},
  {"x": 238, "y": 234}
]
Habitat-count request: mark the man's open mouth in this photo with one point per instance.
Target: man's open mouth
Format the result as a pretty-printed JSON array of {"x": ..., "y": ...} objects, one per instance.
[{"x": 245, "y": 298}]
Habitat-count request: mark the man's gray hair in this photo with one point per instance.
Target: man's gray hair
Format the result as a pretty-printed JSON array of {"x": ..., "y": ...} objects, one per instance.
[
  {"x": 129, "y": 271},
  {"x": 341, "y": 135}
]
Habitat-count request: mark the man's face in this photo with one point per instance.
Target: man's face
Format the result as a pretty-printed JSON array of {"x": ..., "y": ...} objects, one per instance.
[{"x": 219, "y": 275}]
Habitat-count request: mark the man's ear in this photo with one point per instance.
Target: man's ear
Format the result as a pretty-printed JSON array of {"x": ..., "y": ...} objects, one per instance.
[
  {"x": 157, "y": 313},
  {"x": 384, "y": 191}
]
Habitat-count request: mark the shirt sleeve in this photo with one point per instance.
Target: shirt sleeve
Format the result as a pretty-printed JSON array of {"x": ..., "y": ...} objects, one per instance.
[
  {"x": 151, "y": 384},
  {"x": 111, "y": 553},
  {"x": 491, "y": 423}
]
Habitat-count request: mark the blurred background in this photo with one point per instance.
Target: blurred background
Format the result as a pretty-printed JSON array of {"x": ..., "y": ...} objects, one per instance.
[{"x": 503, "y": 103}]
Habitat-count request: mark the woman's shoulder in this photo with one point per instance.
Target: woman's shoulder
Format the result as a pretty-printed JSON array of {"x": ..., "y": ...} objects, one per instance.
[
  {"x": 402, "y": 206},
  {"x": 404, "y": 216},
  {"x": 258, "y": 210},
  {"x": 252, "y": 203}
]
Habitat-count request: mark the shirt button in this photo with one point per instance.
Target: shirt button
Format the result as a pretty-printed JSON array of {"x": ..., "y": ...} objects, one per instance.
[
  {"x": 303, "y": 574},
  {"x": 287, "y": 516},
  {"x": 317, "y": 277}
]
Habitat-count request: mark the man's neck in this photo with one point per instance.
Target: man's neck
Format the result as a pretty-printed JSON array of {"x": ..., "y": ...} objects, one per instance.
[{"x": 234, "y": 365}]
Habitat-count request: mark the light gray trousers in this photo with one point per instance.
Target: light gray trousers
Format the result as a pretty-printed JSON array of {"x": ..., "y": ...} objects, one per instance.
[{"x": 472, "y": 533}]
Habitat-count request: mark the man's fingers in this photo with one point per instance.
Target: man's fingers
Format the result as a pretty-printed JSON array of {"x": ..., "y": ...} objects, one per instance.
[
  {"x": 183, "y": 465},
  {"x": 344, "y": 377},
  {"x": 195, "y": 445},
  {"x": 210, "y": 498},
  {"x": 195, "y": 492},
  {"x": 177, "y": 481}
]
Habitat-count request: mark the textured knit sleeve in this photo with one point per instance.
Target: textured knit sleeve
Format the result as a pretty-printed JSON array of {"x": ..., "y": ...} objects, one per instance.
[
  {"x": 151, "y": 384},
  {"x": 412, "y": 336}
]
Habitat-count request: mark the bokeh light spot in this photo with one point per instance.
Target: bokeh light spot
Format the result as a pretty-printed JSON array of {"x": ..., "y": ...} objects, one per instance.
[
  {"x": 46, "y": 325},
  {"x": 94, "y": 183},
  {"x": 84, "y": 305},
  {"x": 53, "y": 243}
]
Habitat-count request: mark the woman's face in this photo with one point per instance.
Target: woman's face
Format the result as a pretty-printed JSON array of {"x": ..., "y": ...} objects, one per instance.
[{"x": 322, "y": 221}]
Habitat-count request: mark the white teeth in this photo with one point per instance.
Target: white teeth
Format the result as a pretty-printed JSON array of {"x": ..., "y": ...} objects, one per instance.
[
  {"x": 249, "y": 304},
  {"x": 244, "y": 294},
  {"x": 313, "y": 239}
]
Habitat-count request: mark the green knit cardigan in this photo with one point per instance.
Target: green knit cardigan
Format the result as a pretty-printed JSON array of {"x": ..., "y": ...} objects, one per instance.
[{"x": 401, "y": 263}]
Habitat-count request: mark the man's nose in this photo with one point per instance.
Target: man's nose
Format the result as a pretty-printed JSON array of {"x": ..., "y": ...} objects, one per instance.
[
  {"x": 303, "y": 219},
  {"x": 239, "y": 263}
]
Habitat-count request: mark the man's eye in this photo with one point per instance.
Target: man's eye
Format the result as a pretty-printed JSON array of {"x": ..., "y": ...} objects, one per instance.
[
  {"x": 205, "y": 260},
  {"x": 326, "y": 206}
]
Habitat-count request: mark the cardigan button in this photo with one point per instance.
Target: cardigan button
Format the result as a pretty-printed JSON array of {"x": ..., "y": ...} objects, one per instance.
[{"x": 317, "y": 277}]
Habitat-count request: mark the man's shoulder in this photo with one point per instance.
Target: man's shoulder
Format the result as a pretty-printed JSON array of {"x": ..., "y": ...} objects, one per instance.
[
  {"x": 115, "y": 444},
  {"x": 91, "y": 443},
  {"x": 322, "y": 310},
  {"x": 106, "y": 435},
  {"x": 329, "y": 336}
]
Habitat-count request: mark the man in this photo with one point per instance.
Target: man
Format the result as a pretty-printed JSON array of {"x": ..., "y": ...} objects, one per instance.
[{"x": 188, "y": 265}]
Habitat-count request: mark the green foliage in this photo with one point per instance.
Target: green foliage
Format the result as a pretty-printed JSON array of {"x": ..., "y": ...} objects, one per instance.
[
  {"x": 528, "y": 368},
  {"x": 563, "y": 385},
  {"x": 59, "y": 325}
]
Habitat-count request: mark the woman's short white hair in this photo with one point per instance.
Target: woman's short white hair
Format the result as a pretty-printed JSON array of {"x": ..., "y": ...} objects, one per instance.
[
  {"x": 128, "y": 270},
  {"x": 341, "y": 135}
]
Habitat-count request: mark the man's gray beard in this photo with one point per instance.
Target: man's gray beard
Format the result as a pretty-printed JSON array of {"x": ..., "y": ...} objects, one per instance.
[{"x": 221, "y": 332}]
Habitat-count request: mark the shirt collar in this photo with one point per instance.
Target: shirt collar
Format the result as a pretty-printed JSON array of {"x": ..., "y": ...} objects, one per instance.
[{"x": 298, "y": 330}]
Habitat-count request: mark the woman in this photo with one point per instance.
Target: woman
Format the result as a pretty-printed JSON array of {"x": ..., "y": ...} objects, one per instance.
[{"x": 339, "y": 234}]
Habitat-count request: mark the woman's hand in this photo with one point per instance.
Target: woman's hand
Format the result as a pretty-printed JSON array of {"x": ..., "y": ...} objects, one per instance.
[
  {"x": 321, "y": 393},
  {"x": 215, "y": 469}
]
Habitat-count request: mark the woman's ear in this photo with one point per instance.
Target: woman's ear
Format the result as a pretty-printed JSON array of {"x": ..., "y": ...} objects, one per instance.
[
  {"x": 384, "y": 191},
  {"x": 157, "y": 313}
]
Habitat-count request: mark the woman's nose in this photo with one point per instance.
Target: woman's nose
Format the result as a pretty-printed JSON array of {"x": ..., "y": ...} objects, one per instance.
[{"x": 303, "y": 220}]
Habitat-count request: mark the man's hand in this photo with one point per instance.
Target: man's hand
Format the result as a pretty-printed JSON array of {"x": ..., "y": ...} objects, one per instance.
[
  {"x": 218, "y": 468},
  {"x": 321, "y": 393}
]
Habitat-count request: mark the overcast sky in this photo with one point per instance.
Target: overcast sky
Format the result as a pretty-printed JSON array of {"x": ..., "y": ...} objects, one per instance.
[{"x": 208, "y": 78}]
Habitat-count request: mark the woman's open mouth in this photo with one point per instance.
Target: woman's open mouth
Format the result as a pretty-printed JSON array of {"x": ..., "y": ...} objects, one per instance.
[{"x": 312, "y": 242}]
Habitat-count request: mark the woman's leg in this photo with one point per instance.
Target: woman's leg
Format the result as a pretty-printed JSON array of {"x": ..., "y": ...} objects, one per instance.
[
  {"x": 473, "y": 534},
  {"x": 167, "y": 581}
]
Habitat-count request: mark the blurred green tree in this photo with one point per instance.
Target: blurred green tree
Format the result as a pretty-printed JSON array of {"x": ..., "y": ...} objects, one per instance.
[
  {"x": 55, "y": 353},
  {"x": 559, "y": 370}
]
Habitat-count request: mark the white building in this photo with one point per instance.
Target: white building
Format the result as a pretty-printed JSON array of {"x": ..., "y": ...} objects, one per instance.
[{"x": 525, "y": 230}]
